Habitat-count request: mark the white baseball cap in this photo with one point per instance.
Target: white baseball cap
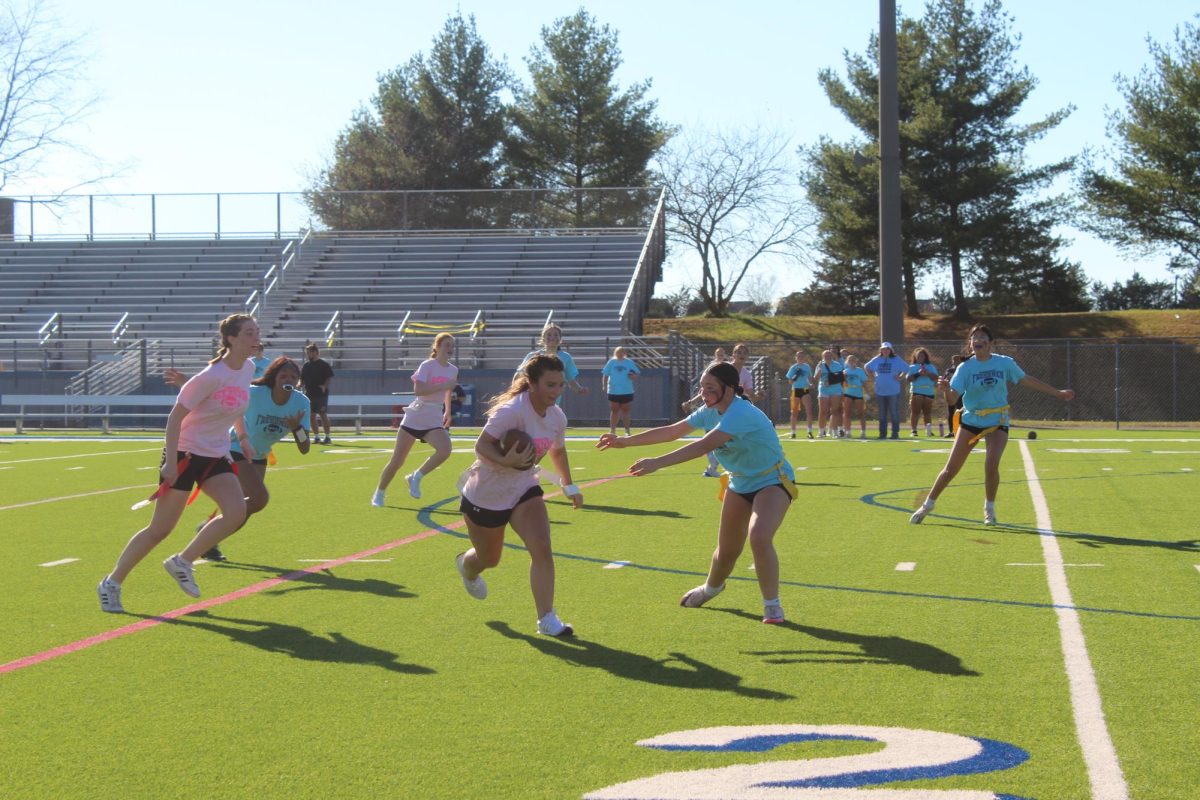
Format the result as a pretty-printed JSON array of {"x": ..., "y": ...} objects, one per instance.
[{"x": 888, "y": 345}]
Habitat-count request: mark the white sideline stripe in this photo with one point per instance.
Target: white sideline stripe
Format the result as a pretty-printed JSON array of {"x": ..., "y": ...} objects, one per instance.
[
  {"x": 906, "y": 566},
  {"x": 58, "y": 563},
  {"x": 1099, "y": 754},
  {"x": 616, "y": 565},
  {"x": 76, "y": 496},
  {"x": 81, "y": 455},
  {"x": 353, "y": 561},
  {"x": 72, "y": 469}
]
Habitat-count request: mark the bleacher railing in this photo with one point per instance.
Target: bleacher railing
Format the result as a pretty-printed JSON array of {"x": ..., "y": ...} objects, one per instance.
[
  {"x": 285, "y": 215},
  {"x": 648, "y": 271}
]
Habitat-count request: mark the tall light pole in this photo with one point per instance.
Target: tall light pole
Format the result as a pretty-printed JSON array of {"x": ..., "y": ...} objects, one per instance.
[{"x": 891, "y": 286}]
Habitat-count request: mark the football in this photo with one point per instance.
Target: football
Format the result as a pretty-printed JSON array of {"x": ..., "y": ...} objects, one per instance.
[
  {"x": 515, "y": 437},
  {"x": 1033, "y": 434}
]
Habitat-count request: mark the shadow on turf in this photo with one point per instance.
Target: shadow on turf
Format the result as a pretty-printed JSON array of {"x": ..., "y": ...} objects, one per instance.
[
  {"x": 689, "y": 674},
  {"x": 294, "y": 641},
  {"x": 324, "y": 579},
  {"x": 636, "y": 512},
  {"x": 872, "y": 650}
]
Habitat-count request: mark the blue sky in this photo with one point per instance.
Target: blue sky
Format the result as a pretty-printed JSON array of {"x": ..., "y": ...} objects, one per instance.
[{"x": 248, "y": 96}]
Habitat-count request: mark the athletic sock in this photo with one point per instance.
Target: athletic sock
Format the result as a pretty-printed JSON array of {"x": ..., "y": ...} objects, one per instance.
[
  {"x": 713, "y": 591},
  {"x": 989, "y": 505},
  {"x": 418, "y": 475}
]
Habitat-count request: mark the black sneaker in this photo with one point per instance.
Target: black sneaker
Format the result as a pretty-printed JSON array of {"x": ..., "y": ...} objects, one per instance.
[{"x": 214, "y": 554}]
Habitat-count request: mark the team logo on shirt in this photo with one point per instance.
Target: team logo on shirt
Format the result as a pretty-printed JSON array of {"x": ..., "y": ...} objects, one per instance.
[
  {"x": 989, "y": 378},
  {"x": 231, "y": 396}
]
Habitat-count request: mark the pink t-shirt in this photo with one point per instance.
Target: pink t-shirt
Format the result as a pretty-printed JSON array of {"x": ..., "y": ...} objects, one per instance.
[
  {"x": 494, "y": 487},
  {"x": 746, "y": 380},
  {"x": 427, "y": 411},
  {"x": 214, "y": 397}
]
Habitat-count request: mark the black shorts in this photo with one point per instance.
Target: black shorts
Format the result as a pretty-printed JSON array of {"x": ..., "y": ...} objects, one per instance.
[
  {"x": 977, "y": 430},
  {"x": 262, "y": 462},
  {"x": 799, "y": 392},
  {"x": 318, "y": 402},
  {"x": 199, "y": 469},
  {"x": 749, "y": 496},
  {"x": 489, "y": 518},
  {"x": 419, "y": 435},
  {"x": 620, "y": 398}
]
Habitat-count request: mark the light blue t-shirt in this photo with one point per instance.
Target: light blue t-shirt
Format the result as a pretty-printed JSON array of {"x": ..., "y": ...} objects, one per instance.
[
  {"x": 984, "y": 385},
  {"x": 856, "y": 379},
  {"x": 260, "y": 366},
  {"x": 823, "y": 372},
  {"x": 264, "y": 419},
  {"x": 922, "y": 385},
  {"x": 753, "y": 452},
  {"x": 800, "y": 375},
  {"x": 886, "y": 370},
  {"x": 618, "y": 371},
  {"x": 570, "y": 371}
]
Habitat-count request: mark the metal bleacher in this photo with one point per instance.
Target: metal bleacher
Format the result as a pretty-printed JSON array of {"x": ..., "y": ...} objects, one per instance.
[
  {"x": 167, "y": 289},
  {"x": 512, "y": 281}
]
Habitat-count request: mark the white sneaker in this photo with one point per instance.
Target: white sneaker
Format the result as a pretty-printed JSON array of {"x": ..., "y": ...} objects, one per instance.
[
  {"x": 377, "y": 498},
  {"x": 551, "y": 625},
  {"x": 476, "y": 588},
  {"x": 773, "y": 614},
  {"x": 181, "y": 571},
  {"x": 694, "y": 598},
  {"x": 414, "y": 486},
  {"x": 919, "y": 515},
  {"x": 709, "y": 472},
  {"x": 989, "y": 517},
  {"x": 110, "y": 596}
]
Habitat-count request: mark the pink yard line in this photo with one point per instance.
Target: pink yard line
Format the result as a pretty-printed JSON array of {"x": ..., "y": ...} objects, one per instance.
[{"x": 141, "y": 625}]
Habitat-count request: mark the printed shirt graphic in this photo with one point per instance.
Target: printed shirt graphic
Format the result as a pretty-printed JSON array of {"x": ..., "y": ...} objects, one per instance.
[
  {"x": 800, "y": 375},
  {"x": 214, "y": 397},
  {"x": 427, "y": 411},
  {"x": 823, "y": 372},
  {"x": 856, "y": 379},
  {"x": 983, "y": 385},
  {"x": 570, "y": 371},
  {"x": 885, "y": 371},
  {"x": 922, "y": 384},
  {"x": 618, "y": 371},
  {"x": 754, "y": 449},
  {"x": 494, "y": 487},
  {"x": 264, "y": 419}
]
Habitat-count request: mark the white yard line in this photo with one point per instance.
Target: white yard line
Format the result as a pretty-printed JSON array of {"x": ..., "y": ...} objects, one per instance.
[
  {"x": 81, "y": 455},
  {"x": 59, "y": 563},
  {"x": 1099, "y": 755},
  {"x": 906, "y": 566}
]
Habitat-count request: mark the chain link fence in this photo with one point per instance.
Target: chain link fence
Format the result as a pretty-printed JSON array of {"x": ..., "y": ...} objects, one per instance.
[{"x": 1118, "y": 382}]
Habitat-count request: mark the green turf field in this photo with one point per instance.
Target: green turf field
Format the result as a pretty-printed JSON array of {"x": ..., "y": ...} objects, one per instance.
[{"x": 917, "y": 663}]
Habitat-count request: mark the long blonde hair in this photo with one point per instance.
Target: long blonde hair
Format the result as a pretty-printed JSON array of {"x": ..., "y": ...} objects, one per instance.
[
  {"x": 441, "y": 337},
  {"x": 230, "y": 326},
  {"x": 529, "y": 373}
]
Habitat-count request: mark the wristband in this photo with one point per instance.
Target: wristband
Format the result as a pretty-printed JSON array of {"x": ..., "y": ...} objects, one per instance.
[
  {"x": 301, "y": 435},
  {"x": 571, "y": 490}
]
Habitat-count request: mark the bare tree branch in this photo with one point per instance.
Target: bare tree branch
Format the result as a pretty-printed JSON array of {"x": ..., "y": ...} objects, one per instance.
[{"x": 733, "y": 198}]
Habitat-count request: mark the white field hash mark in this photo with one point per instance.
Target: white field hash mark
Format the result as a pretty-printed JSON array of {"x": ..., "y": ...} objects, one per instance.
[
  {"x": 906, "y": 566},
  {"x": 1099, "y": 755},
  {"x": 616, "y": 565},
  {"x": 59, "y": 563}
]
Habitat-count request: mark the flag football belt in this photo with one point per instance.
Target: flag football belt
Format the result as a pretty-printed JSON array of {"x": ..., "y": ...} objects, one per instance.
[
  {"x": 204, "y": 475},
  {"x": 983, "y": 412},
  {"x": 787, "y": 483}
]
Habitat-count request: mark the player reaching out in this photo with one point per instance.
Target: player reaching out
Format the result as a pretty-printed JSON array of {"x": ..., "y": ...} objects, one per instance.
[{"x": 761, "y": 482}]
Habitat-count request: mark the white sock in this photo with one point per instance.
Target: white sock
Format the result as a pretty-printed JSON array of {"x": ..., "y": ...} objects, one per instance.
[
  {"x": 713, "y": 591},
  {"x": 989, "y": 505},
  {"x": 927, "y": 505},
  {"x": 774, "y": 602},
  {"x": 109, "y": 579},
  {"x": 418, "y": 475}
]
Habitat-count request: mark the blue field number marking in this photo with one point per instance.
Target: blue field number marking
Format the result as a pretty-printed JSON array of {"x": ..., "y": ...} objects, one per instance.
[{"x": 907, "y": 755}]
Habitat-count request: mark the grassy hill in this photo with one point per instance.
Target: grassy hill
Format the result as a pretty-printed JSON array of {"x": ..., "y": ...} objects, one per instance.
[{"x": 1181, "y": 324}]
